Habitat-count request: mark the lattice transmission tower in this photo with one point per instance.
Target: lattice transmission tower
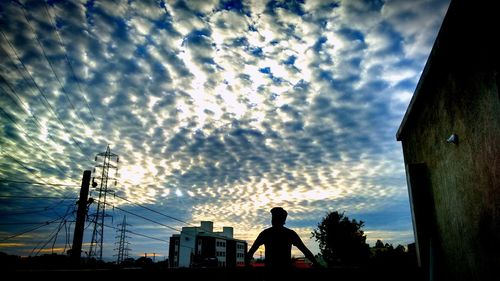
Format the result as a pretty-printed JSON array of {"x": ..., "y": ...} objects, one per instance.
[
  {"x": 109, "y": 164},
  {"x": 122, "y": 243}
]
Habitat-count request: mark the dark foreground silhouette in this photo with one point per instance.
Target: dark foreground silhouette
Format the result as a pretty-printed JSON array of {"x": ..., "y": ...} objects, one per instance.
[{"x": 278, "y": 241}]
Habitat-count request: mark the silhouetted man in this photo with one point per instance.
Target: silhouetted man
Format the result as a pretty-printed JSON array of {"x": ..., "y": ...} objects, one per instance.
[{"x": 278, "y": 241}]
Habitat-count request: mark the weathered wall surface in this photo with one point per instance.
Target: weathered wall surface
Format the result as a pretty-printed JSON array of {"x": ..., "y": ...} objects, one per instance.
[
  {"x": 465, "y": 178},
  {"x": 459, "y": 93}
]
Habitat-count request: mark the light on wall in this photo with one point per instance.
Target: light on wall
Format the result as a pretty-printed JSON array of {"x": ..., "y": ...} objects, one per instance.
[{"x": 452, "y": 139}]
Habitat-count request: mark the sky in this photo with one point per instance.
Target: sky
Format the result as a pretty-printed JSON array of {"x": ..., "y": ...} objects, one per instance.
[{"x": 218, "y": 110}]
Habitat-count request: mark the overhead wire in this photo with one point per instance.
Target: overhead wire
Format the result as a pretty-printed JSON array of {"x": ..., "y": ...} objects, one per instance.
[
  {"x": 25, "y": 13},
  {"x": 38, "y": 197},
  {"x": 138, "y": 234},
  {"x": 21, "y": 164},
  {"x": 24, "y": 107},
  {"x": 55, "y": 233},
  {"x": 37, "y": 183},
  {"x": 47, "y": 10},
  {"x": 167, "y": 216},
  {"x": 34, "y": 210},
  {"x": 29, "y": 230},
  {"x": 31, "y": 139},
  {"x": 142, "y": 217},
  {"x": 129, "y": 212},
  {"x": 171, "y": 217},
  {"x": 162, "y": 224},
  {"x": 151, "y": 210},
  {"x": 45, "y": 99}
]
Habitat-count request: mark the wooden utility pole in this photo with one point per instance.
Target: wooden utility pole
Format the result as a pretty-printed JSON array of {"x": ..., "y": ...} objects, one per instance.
[{"x": 76, "y": 250}]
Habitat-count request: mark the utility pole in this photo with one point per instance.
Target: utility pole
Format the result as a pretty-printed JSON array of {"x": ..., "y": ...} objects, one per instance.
[
  {"x": 98, "y": 233},
  {"x": 122, "y": 242},
  {"x": 81, "y": 213}
]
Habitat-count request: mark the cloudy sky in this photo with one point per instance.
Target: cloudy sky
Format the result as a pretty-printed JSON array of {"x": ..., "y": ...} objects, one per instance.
[{"x": 218, "y": 110}]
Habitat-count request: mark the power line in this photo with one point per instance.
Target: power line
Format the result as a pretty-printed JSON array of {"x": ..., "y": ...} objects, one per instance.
[
  {"x": 139, "y": 234},
  {"x": 25, "y": 13},
  {"x": 24, "y": 223},
  {"x": 38, "y": 197},
  {"x": 38, "y": 183},
  {"x": 151, "y": 210},
  {"x": 22, "y": 165},
  {"x": 45, "y": 99},
  {"x": 29, "y": 230},
  {"x": 30, "y": 138},
  {"x": 121, "y": 209},
  {"x": 156, "y": 212},
  {"x": 23, "y": 106},
  {"x": 43, "y": 209},
  {"x": 62, "y": 223},
  {"x": 120, "y": 197},
  {"x": 54, "y": 234},
  {"x": 144, "y": 207},
  {"x": 34, "y": 210},
  {"x": 143, "y": 217},
  {"x": 167, "y": 216},
  {"x": 67, "y": 59},
  {"x": 159, "y": 223},
  {"x": 37, "y": 122},
  {"x": 20, "y": 223}
]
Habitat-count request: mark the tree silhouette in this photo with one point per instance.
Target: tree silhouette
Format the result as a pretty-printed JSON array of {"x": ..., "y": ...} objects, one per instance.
[
  {"x": 341, "y": 241},
  {"x": 387, "y": 256}
]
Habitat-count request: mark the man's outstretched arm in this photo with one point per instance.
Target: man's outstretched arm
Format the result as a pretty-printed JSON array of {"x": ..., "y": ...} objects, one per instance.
[
  {"x": 258, "y": 242},
  {"x": 309, "y": 255}
]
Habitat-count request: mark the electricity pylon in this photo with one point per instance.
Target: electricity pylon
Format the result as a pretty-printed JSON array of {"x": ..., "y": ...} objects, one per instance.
[
  {"x": 122, "y": 242},
  {"x": 98, "y": 233}
]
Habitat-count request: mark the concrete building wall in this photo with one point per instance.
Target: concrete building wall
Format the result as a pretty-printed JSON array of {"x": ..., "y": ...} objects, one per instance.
[
  {"x": 241, "y": 250},
  {"x": 207, "y": 226},
  {"x": 455, "y": 187},
  {"x": 187, "y": 246},
  {"x": 220, "y": 251},
  {"x": 173, "y": 251},
  {"x": 227, "y": 231},
  {"x": 464, "y": 178}
]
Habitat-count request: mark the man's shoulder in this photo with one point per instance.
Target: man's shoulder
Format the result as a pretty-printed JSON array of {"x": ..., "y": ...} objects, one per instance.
[
  {"x": 290, "y": 231},
  {"x": 267, "y": 230},
  {"x": 283, "y": 229}
]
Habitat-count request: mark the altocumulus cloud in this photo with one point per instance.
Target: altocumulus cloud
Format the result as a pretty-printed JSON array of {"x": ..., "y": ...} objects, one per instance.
[{"x": 219, "y": 110}]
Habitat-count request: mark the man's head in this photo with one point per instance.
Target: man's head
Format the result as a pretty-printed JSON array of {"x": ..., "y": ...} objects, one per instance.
[{"x": 279, "y": 216}]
